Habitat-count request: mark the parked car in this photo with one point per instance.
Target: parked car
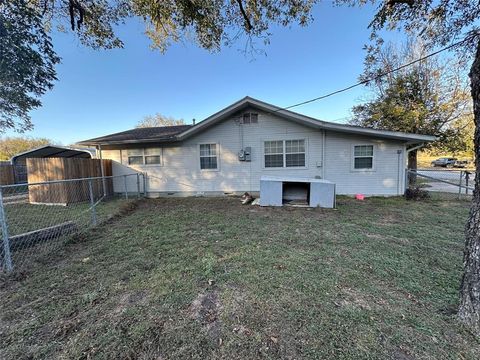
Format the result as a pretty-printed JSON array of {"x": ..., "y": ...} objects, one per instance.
[
  {"x": 444, "y": 162},
  {"x": 461, "y": 164}
]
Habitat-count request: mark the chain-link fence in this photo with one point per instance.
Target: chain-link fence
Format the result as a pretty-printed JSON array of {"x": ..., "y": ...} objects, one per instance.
[
  {"x": 37, "y": 218},
  {"x": 442, "y": 184}
]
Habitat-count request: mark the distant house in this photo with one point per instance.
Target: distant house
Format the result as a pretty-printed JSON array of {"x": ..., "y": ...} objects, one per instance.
[{"x": 229, "y": 151}]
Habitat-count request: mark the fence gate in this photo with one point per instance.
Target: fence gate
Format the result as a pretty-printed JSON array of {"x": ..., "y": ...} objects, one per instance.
[{"x": 447, "y": 184}]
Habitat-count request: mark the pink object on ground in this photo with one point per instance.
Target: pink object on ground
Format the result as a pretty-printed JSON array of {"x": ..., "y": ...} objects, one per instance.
[{"x": 360, "y": 197}]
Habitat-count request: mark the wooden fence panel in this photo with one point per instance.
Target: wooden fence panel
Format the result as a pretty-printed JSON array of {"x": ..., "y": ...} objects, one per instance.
[
  {"x": 7, "y": 176},
  {"x": 51, "y": 169}
]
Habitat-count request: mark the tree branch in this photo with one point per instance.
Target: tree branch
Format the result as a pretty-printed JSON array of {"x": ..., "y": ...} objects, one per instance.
[
  {"x": 248, "y": 24},
  {"x": 391, "y": 3},
  {"x": 72, "y": 6}
]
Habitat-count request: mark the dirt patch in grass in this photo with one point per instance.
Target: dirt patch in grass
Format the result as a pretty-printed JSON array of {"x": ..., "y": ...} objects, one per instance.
[
  {"x": 137, "y": 298},
  {"x": 206, "y": 309},
  {"x": 351, "y": 298}
]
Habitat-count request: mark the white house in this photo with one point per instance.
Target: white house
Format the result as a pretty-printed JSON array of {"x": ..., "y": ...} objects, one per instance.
[{"x": 229, "y": 151}]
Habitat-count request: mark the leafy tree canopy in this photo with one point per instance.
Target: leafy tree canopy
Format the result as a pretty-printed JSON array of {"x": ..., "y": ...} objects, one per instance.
[
  {"x": 159, "y": 120},
  {"x": 28, "y": 59},
  {"x": 10, "y": 146},
  {"x": 430, "y": 97},
  {"x": 27, "y": 63}
]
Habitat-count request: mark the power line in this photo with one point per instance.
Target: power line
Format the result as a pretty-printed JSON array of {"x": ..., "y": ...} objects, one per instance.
[
  {"x": 363, "y": 82},
  {"x": 341, "y": 119}
]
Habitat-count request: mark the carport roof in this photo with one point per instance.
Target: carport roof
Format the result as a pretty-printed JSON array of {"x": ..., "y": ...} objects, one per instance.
[{"x": 52, "y": 151}]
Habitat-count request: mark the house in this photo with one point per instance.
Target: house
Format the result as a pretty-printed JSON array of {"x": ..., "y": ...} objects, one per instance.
[{"x": 229, "y": 151}]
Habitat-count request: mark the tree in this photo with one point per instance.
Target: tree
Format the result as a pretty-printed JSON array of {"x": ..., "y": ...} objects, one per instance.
[
  {"x": 159, "y": 120},
  {"x": 27, "y": 62},
  {"x": 441, "y": 23},
  {"x": 27, "y": 57},
  {"x": 11, "y": 146},
  {"x": 429, "y": 97}
]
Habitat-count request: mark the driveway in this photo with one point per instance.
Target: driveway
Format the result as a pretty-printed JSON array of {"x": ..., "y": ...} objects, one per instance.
[{"x": 452, "y": 176}]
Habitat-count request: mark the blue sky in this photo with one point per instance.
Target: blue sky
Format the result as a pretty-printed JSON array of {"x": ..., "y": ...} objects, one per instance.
[{"x": 101, "y": 92}]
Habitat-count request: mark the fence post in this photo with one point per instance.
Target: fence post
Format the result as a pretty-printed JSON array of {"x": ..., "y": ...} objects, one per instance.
[
  {"x": 92, "y": 203},
  {"x": 144, "y": 184},
  {"x": 7, "y": 256},
  {"x": 126, "y": 189},
  {"x": 467, "y": 176},
  {"x": 138, "y": 185},
  {"x": 460, "y": 185},
  {"x": 406, "y": 180}
]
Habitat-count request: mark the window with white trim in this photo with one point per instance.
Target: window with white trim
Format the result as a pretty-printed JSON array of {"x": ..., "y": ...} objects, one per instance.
[
  {"x": 148, "y": 156},
  {"x": 284, "y": 153},
  {"x": 208, "y": 157},
  {"x": 294, "y": 153},
  {"x": 363, "y": 157}
]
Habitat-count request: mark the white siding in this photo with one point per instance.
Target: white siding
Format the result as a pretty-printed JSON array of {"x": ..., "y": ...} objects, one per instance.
[
  {"x": 119, "y": 169},
  {"x": 386, "y": 177},
  {"x": 180, "y": 171}
]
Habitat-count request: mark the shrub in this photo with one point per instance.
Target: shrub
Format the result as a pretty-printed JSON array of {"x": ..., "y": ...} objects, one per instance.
[{"x": 415, "y": 193}]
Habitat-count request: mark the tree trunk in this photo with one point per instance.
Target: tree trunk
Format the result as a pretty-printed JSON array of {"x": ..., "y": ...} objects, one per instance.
[
  {"x": 412, "y": 165},
  {"x": 469, "y": 309}
]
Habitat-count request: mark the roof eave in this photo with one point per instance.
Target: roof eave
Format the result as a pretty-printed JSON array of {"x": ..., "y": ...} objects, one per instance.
[
  {"x": 302, "y": 119},
  {"x": 122, "y": 142}
]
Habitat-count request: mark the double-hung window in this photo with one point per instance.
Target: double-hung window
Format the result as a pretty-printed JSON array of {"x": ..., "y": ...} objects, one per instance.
[
  {"x": 208, "y": 157},
  {"x": 148, "y": 156},
  {"x": 152, "y": 156},
  {"x": 363, "y": 157},
  {"x": 135, "y": 156},
  {"x": 284, "y": 153}
]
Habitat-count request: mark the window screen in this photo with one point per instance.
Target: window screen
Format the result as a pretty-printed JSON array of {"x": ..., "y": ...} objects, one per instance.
[
  {"x": 152, "y": 156},
  {"x": 284, "y": 153},
  {"x": 363, "y": 157},
  {"x": 208, "y": 156},
  {"x": 148, "y": 156},
  {"x": 273, "y": 154},
  {"x": 295, "y": 153},
  {"x": 135, "y": 156}
]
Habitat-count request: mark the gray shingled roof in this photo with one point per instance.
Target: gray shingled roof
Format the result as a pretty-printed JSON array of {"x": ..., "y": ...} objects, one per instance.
[
  {"x": 163, "y": 133},
  {"x": 182, "y": 132}
]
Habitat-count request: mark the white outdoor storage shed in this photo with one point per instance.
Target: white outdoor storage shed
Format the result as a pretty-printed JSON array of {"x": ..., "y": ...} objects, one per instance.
[{"x": 299, "y": 191}]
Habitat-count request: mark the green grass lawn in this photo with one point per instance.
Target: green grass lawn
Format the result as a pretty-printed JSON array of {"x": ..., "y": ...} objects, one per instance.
[
  {"x": 207, "y": 278},
  {"x": 23, "y": 217}
]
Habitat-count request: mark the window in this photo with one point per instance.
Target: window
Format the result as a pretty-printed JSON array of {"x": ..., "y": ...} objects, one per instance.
[
  {"x": 284, "y": 153},
  {"x": 208, "y": 157},
  {"x": 294, "y": 153},
  {"x": 135, "y": 156},
  {"x": 250, "y": 118},
  {"x": 273, "y": 154},
  {"x": 148, "y": 156},
  {"x": 152, "y": 156},
  {"x": 363, "y": 157}
]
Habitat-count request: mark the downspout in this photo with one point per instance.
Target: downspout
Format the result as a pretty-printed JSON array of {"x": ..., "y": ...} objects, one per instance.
[
  {"x": 323, "y": 153},
  {"x": 408, "y": 152},
  {"x": 102, "y": 171},
  {"x": 399, "y": 166}
]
